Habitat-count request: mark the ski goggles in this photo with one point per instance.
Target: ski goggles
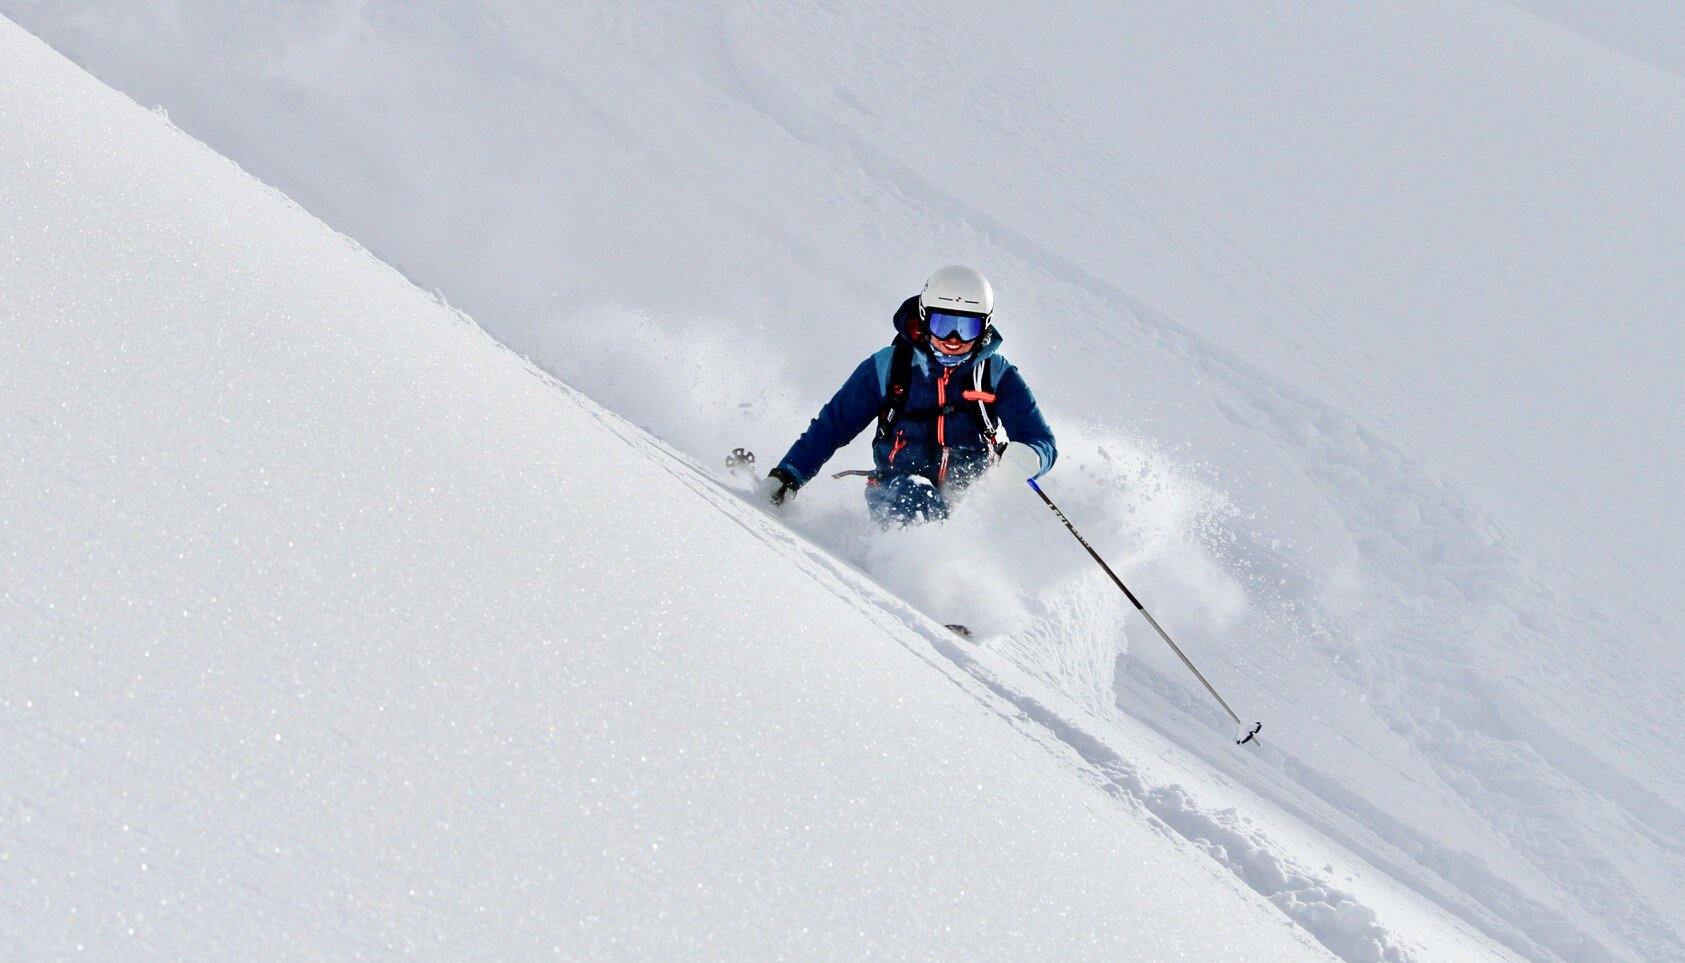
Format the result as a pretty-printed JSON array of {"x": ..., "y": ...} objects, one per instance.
[{"x": 944, "y": 325}]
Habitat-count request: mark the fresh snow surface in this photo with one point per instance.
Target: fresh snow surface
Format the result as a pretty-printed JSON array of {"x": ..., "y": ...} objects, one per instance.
[{"x": 334, "y": 628}]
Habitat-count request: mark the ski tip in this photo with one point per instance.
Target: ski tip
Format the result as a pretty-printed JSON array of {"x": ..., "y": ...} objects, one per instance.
[
  {"x": 1242, "y": 737},
  {"x": 959, "y": 630}
]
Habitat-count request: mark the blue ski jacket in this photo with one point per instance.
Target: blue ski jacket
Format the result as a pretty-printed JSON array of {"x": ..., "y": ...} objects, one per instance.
[{"x": 940, "y": 434}]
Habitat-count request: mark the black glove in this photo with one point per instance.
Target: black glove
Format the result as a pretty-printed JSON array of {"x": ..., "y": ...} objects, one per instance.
[{"x": 777, "y": 486}]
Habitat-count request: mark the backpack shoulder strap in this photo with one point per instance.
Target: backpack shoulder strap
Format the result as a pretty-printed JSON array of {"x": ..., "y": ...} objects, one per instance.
[
  {"x": 983, "y": 392},
  {"x": 895, "y": 386}
]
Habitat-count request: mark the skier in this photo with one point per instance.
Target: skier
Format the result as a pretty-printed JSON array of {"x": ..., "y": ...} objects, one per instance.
[{"x": 940, "y": 393}]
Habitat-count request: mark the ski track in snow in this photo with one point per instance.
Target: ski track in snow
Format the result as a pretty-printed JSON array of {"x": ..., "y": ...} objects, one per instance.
[{"x": 1336, "y": 918}]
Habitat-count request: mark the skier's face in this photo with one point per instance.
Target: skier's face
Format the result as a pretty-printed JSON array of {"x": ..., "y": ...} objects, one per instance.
[{"x": 952, "y": 333}]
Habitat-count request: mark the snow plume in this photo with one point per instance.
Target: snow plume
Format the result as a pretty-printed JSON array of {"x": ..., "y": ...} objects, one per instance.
[
  {"x": 1003, "y": 565},
  {"x": 690, "y": 380}
]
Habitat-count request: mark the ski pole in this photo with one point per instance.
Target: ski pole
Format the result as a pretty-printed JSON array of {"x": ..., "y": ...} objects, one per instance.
[{"x": 1243, "y": 735}]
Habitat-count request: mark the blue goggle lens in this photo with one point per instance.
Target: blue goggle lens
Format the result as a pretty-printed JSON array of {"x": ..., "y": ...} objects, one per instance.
[{"x": 944, "y": 325}]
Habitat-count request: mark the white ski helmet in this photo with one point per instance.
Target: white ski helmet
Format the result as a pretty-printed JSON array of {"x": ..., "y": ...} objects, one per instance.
[{"x": 959, "y": 289}]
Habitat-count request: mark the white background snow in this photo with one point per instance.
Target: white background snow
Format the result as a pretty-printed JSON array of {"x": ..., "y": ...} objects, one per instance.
[{"x": 332, "y": 627}]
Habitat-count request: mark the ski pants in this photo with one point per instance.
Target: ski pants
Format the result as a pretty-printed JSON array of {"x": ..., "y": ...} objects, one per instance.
[{"x": 898, "y": 499}]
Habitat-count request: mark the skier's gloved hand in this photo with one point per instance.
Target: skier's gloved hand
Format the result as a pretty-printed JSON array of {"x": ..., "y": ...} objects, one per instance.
[
  {"x": 1020, "y": 460},
  {"x": 776, "y": 487}
]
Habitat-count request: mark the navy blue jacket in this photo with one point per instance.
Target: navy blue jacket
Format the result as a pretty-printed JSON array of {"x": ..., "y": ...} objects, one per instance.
[{"x": 917, "y": 440}]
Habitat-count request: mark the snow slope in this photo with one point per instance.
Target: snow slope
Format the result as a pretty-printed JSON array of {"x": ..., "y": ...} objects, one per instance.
[
  {"x": 1287, "y": 280},
  {"x": 335, "y": 629}
]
